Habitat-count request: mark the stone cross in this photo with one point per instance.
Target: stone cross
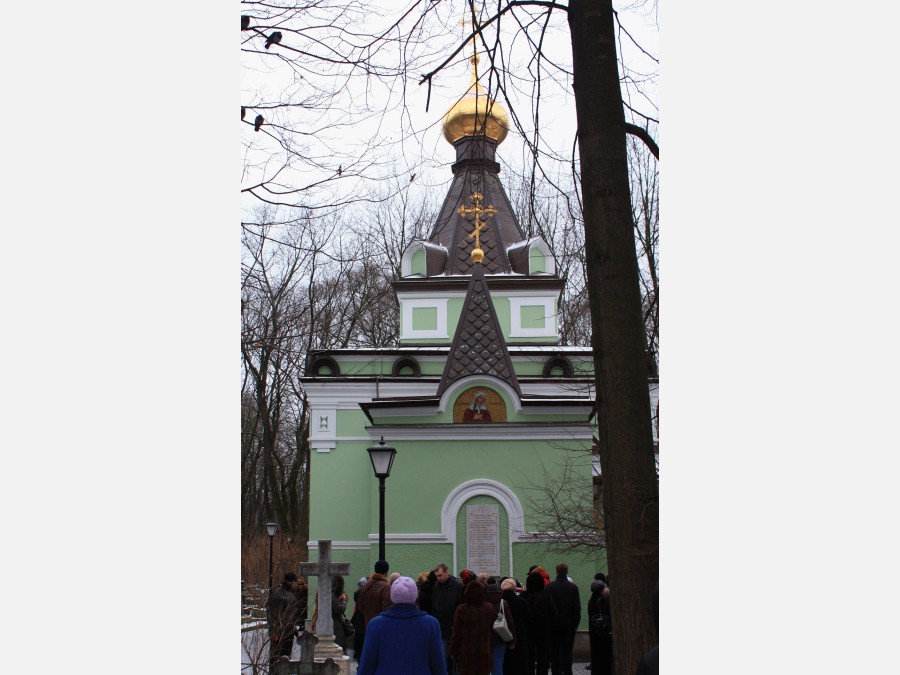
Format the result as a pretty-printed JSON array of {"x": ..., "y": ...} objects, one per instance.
[
  {"x": 325, "y": 570},
  {"x": 307, "y": 664}
]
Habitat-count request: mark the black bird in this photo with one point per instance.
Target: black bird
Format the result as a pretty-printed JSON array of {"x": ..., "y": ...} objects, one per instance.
[
  {"x": 258, "y": 123},
  {"x": 243, "y": 112},
  {"x": 412, "y": 178},
  {"x": 245, "y": 22},
  {"x": 273, "y": 39},
  {"x": 340, "y": 169}
]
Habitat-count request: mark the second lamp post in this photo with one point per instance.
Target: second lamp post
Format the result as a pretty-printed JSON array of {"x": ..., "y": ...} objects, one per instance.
[
  {"x": 382, "y": 456},
  {"x": 271, "y": 528}
]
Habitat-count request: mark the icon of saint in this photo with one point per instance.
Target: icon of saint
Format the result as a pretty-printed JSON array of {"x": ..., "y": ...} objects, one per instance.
[{"x": 477, "y": 411}]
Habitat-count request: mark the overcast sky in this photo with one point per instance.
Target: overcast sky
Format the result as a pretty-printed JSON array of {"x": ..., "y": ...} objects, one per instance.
[{"x": 387, "y": 122}]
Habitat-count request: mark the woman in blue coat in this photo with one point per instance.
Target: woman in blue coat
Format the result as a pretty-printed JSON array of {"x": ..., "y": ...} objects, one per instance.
[{"x": 403, "y": 640}]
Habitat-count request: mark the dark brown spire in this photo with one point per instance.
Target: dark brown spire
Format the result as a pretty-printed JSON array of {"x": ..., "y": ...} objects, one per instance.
[
  {"x": 478, "y": 347},
  {"x": 476, "y": 172}
]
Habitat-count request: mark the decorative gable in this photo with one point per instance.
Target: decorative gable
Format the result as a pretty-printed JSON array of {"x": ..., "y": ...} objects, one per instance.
[{"x": 478, "y": 347}]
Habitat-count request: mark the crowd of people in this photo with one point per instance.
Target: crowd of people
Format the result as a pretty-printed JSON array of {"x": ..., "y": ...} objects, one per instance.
[{"x": 439, "y": 624}]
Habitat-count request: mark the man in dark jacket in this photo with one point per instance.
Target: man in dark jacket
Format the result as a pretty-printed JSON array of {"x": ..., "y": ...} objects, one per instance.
[
  {"x": 515, "y": 662},
  {"x": 283, "y": 616},
  {"x": 375, "y": 597},
  {"x": 568, "y": 606},
  {"x": 445, "y": 598}
]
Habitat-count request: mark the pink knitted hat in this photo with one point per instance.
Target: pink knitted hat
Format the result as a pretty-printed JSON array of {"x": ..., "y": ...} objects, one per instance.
[{"x": 404, "y": 591}]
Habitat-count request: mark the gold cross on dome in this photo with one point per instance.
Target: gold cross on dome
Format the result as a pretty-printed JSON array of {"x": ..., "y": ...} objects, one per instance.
[
  {"x": 478, "y": 210},
  {"x": 474, "y": 58}
]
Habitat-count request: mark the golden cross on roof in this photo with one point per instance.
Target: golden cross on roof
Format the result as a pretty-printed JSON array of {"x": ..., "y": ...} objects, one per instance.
[
  {"x": 478, "y": 210},
  {"x": 474, "y": 58}
]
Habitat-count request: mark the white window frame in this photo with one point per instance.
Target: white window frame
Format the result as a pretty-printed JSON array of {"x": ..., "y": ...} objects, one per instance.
[
  {"x": 515, "y": 317},
  {"x": 406, "y": 330}
]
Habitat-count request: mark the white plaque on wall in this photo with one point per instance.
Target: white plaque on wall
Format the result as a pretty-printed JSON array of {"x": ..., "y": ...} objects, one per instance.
[{"x": 483, "y": 538}]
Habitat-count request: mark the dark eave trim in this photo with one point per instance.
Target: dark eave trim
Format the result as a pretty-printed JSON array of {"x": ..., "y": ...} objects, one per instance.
[{"x": 494, "y": 283}]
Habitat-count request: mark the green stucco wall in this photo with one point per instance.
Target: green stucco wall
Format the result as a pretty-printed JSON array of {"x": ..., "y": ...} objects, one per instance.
[
  {"x": 424, "y": 318},
  {"x": 424, "y": 474},
  {"x": 533, "y": 316},
  {"x": 417, "y": 264},
  {"x": 537, "y": 262}
]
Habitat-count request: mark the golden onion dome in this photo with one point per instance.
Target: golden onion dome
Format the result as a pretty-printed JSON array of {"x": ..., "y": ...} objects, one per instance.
[{"x": 476, "y": 114}]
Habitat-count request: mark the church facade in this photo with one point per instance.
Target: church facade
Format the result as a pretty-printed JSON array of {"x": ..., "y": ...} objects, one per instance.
[{"x": 480, "y": 400}]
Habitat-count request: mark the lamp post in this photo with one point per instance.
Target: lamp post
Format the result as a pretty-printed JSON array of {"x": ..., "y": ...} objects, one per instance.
[
  {"x": 271, "y": 528},
  {"x": 382, "y": 456}
]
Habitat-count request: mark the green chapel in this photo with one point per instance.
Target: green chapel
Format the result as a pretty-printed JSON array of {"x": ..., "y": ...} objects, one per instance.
[{"x": 479, "y": 399}]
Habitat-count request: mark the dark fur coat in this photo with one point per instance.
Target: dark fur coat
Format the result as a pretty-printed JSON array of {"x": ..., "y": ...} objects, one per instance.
[{"x": 473, "y": 627}]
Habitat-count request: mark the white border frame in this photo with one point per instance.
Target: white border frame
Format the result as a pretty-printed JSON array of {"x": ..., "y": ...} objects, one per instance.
[
  {"x": 515, "y": 317},
  {"x": 549, "y": 260},
  {"x": 491, "y": 488},
  {"x": 407, "y": 255},
  {"x": 406, "y": 320}
]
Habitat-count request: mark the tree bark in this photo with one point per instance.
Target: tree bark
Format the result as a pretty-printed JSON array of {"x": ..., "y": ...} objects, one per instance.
[{"x": 630, "y": 487}]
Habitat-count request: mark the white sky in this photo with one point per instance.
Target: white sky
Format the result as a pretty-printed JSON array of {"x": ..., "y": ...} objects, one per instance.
[{"x": 409, "y": 139}]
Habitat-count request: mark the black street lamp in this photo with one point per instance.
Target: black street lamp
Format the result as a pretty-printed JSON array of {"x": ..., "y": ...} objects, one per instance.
[
  {"x": 382, "y": 457},
  {"x": 271, "y": 528}
]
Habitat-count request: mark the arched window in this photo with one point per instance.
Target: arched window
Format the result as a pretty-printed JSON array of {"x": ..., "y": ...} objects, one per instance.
[
  {"x": 558, "y": 366},
  {"x": 406, "y": 366},
  {"x": 323, "y": 366}
]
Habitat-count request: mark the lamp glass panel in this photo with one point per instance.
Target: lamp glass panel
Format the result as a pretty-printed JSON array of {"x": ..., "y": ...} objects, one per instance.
[{"x": 382, "y": 457}]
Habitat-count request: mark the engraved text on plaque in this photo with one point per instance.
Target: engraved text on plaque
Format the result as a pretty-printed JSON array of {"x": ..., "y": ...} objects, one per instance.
[{"x": 483, "y": 538}]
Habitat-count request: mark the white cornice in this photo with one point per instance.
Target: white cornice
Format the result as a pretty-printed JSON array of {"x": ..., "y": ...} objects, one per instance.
[
  {"x": 579, "y": 431},
  {"x": 551, "y": 294},
  {"x": 340, "y": 545},
  {"x": 424, "y": 538},
  {"x": 568, "y": 388},
  {"x": 375, "y": 351},
  {"x": 429, "y": 295},
  {"x": 400, "y": 538}
]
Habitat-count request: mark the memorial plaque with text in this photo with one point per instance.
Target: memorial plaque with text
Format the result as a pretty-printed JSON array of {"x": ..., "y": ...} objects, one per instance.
[{"x": 483, "y": 538}]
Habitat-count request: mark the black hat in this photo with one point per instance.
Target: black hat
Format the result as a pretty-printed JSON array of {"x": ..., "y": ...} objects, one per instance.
[
  {"x": 290, "y": 577},
  {"x": 381, "y": 567}
]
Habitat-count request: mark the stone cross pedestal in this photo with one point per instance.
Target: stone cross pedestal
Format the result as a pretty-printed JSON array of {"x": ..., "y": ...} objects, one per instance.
[
  {"x": 307, "y": 665},
  {"x": 325, "y": 570}
]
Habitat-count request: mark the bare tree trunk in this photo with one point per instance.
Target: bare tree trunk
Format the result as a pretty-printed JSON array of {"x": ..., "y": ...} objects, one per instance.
[{"x": 630, "y": 488}]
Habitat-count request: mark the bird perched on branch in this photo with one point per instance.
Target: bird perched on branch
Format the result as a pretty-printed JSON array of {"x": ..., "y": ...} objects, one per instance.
[
  {"x": 258, "y": 123},
  {"x": 340, "y": 169},
  {"x": 243, "y": 112},
  {"x": 273, "y": 39},
  {"x": 245, "y": 22},
  {"x": 412, "y": 178}
]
